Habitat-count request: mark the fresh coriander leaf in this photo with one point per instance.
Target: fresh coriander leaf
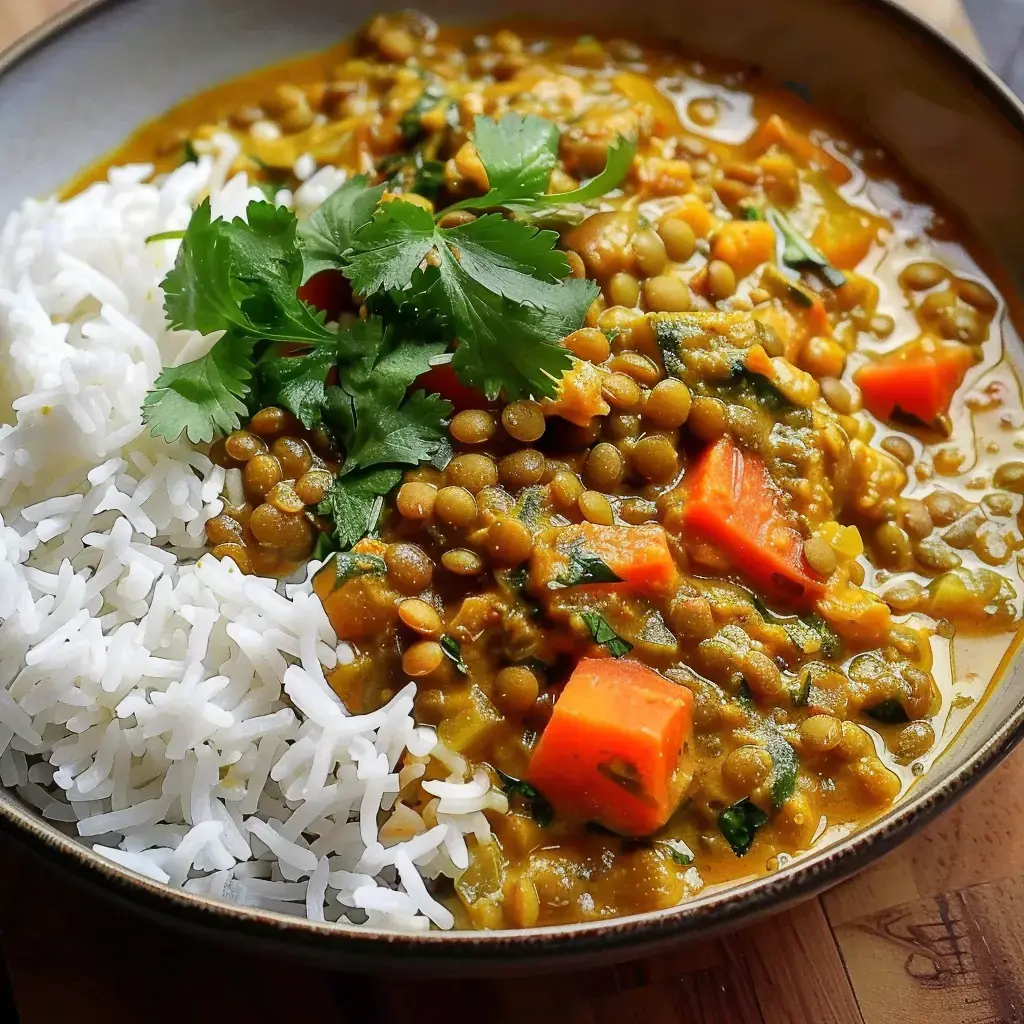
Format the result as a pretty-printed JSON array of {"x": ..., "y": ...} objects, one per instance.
[
  {"x": 507, "y": 346},
  {"x": 204, "y": 397},
  {"x": 325, "y": 547},
  {"x": 604, "y": 635},
  {"x": 297, "y": 382},
  {"x": 389, "y": 249},
  {"x": 519, "y": 153},
  {"x": 243, "y": 276},
  {"x": 889, "y": 712},
  {"x": 351, "y": 565},
  {"x": 811, "y": 634},
  {"x": 617, "y": 164},
  {"x": 763, "y": 390},
  {"x": 507, "y": 256},
  {"x": 798, "y": 252},
  {"x": 165, "y": 236},
  {"x": 452, "y": 650},
  {"x": 749, "y": 212},
  {"x": 677, "y": 851},
  {"x": 584, "y": 568},
  {"x": 354, "y": 502},
  {"x": 739, "y": 823},
  {"x": 329, "y": 231},
  {"x": 410, "y": 124},
  {"x": 542, "y": 812},
  {"x": 371, "y": 414},
  {"x": 782, "y": 778}
]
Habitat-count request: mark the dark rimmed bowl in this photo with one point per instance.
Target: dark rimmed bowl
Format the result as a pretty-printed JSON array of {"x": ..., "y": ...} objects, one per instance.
[{"x": 78, "y": 86}]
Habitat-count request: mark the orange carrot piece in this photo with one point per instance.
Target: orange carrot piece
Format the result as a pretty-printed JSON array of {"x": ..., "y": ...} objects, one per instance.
[
  {"x": 919, "y": 379},
  {"x": 638, "y": 555},
  {"x": 777, "y": 131},
  {"x": 613, "y": 750},
  {"x": 744, "y": 245},
  {"x": 734, "y": 505}
]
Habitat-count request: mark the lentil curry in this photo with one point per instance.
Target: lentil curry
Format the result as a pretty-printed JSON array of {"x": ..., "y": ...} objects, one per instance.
[{"x": 722, "y": 583}]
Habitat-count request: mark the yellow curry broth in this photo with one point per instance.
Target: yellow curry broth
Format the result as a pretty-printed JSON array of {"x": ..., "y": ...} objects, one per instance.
[{"x": 916, "y": 528}]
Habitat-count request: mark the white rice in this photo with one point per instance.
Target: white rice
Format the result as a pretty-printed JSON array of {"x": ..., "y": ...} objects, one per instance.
[{"x": 172, "y": 710}]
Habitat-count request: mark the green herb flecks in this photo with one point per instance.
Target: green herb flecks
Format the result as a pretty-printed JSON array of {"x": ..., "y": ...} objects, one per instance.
[
  {"x": 452, "y": 650},
  {"x": 541, "y": 811},
  {"x": 604, "y": 635},
  {"x": 888, "y": 712},
  {"x": 351, "y": 565},
  {"x": 677, "y": 851},
  {"x": 799, "y": 254},
  {"x": 584, "y": 568},
  {"x": 739, "y": 824}
]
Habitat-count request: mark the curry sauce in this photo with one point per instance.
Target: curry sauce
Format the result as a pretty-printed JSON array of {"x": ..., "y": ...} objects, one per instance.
[{"x": 783, "y": 472}]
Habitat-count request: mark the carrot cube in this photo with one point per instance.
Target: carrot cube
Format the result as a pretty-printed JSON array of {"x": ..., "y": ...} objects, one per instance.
[{"x": 614, "y": 750}]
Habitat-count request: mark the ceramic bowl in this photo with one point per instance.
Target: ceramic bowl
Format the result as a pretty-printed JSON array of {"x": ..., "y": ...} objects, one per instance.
[{"x": 79, "y": 85}]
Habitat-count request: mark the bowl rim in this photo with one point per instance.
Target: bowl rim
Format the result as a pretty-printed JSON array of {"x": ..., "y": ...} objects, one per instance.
[{"x": 461, "y": 952}]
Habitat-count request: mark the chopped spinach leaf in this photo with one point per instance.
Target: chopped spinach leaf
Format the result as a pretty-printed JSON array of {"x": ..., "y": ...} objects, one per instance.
[
  {"x": 542, "y": 812},
  {"x": 452, "y": 650},
  {"x": 584, "y": 568},
  {"x": 350, "y": 565},
  {"x": 739, "y": 824},
  {"x": 889, "y": 712},
  {"x": 782, "y": 778},
  {"x": 799, "y": 253},
  {"x": 677, "y": 851},
  {"x": 764, "y": 391},
  {"x": 604, "y": 635}
]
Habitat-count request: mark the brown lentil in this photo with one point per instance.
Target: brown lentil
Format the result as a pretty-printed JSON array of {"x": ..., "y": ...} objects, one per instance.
[
  {"x": 680, "y": 241},
  {"x": 515, "y": 689},
  {"x": 284, "y": 498},
  {"x": 409, "y": 568},
  {"x": 589, "y": 344},
  {"x": 261, "y": 473},
  {"x": 721, "y": 280},
  {"x": 294, "y": 456},
  {"x": 455, "y": 506},
  {"x": 596, "y": 508},
  {"x": 416, "y": 501},
  {"x": 471, "y": 471},
  {"x": 508, "y": 542},
  {"x": 667, "y": 293},
  {"x": 462, "y": 562},
  {"x": 472, "y": 426},
  {"x": 422, "y": 658},
  {"x": 820, "y": 556},
  {"x": 523, "y": 421},
  {"x": 420, "y": 616},
  {"x": 312, "y": 487},
  {"x": 605, "y": 466},
  {"x": 242, "y": 446},
  {"x": 522, "y": 468},
  {"x": 620, "y": 391},
  {"x": 668, "y": 404},
  {"x": 654, "y": 457}
]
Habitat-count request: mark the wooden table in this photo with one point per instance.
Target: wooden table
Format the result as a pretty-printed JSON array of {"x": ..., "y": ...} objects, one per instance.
[{"x": 932, "y": 934}]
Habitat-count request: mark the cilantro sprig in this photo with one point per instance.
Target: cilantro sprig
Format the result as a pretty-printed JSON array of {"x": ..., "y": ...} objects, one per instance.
[{"x": 495, "y": 287}]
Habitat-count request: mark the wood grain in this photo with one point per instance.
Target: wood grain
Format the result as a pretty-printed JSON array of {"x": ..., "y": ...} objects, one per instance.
[{"x": 932, "y": 934}]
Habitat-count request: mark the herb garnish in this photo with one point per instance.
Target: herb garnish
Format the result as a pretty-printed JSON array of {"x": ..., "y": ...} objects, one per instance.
[
  {"x": 543, "y": 813},
  {"x": 604, "y": 635},
  {"x": 739, "y": 823},
  {"x": 799, "y": 253},
  {"x": 497, "y": 285},
  {"x": 584, "y": 568},
  {"x": 452, "y": 650}
]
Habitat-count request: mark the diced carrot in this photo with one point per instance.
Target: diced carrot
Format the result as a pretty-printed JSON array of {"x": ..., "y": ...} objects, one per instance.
[
  {"x": 734, "y": 505},
  {"x": 694, "y": 212},
  {"x": 638, "y": 555},
  {"x": 441, "y": 380},
  {"x": 844, "y": 240},
  {"x": 758, "y": 361},
  {"x": 329, "y": 292},
  {"x": 579, "y": 395},
  {"x": 777, "y": 131},
  {"x": 919, "y": 379},
  {"x": 614, "y": 750},
  {"x": 744, "y": 245}
]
